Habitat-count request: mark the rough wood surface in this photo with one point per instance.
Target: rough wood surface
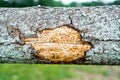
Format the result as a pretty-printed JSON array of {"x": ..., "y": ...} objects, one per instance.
[{"x": 98, "y": 25}]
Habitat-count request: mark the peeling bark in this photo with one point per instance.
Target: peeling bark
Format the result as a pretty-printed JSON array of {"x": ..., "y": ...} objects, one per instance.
[{"x": 98, "y": 25}]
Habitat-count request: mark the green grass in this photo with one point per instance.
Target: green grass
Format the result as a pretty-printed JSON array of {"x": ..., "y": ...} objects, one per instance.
[
  {"x": 34, "y": 72},
  {"x": 52, "y": 72},
  {"x": 95, "y": 69}
]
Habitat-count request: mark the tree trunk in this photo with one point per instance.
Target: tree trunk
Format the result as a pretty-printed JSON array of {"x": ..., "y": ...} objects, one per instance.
[{"x": 98, "y": 28}]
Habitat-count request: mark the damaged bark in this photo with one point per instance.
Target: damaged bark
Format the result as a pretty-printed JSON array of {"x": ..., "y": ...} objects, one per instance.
[{"x": 99, "y": 27}]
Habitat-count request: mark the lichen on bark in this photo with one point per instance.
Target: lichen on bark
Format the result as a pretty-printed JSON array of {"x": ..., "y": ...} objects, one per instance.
[{"x": 99, "y": 25}]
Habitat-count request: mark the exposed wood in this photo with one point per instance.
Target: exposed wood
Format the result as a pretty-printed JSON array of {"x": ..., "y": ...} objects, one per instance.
[
  {"x": 63, "y": 44},
  {"x": 98, "y": 26}
]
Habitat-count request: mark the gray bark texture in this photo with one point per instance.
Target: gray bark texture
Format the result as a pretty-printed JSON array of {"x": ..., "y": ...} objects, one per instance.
[{"x": 99, "y": 25}]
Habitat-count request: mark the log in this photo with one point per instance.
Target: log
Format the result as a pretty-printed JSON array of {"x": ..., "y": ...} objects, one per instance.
[{"x": 52, "y": 35}]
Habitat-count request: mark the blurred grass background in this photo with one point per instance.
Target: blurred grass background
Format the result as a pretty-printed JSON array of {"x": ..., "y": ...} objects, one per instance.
[{"x": 56, "y": 72}]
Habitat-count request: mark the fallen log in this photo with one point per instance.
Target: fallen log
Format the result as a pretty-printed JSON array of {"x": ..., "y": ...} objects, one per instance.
[{"x": 81, "y": 35}]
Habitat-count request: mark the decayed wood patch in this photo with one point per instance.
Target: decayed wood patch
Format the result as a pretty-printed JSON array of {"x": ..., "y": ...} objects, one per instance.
[{"x": 62, "y": 44}]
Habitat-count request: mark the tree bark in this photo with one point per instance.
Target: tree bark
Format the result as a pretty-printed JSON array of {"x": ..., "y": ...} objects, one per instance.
[{"x": 98, "y": 25}]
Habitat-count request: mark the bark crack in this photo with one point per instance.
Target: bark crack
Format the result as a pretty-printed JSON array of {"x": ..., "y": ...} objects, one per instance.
[
  {"x": 95, "y": 39},
  {"x": 71, "y": 21}
]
